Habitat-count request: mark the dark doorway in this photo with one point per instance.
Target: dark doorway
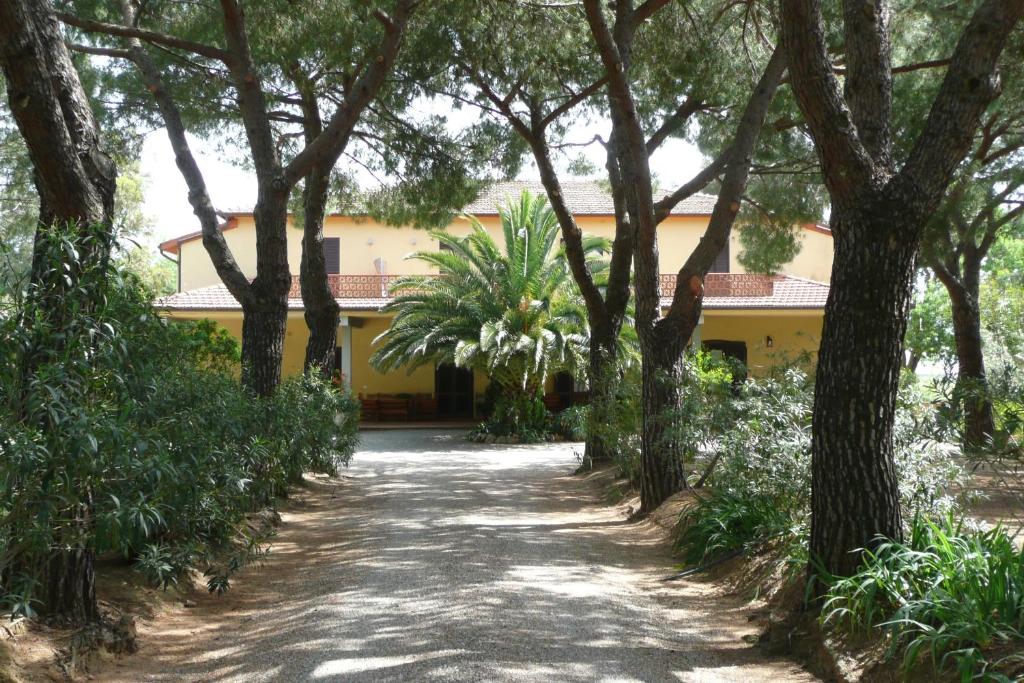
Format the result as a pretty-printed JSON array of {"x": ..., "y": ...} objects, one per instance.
[
  {"x": 565, "y": 389},
  {"x": 453, "y": 388},
  {"x": 730, "y": 349}
]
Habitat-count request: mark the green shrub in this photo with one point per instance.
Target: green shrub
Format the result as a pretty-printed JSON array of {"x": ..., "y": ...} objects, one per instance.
[
  {"x": 133, "y": 436},
  {"x": 760, "y": 484},
  {"x": 946, "y": 593},
  {"x": 571, "y": 423},
  {"x": 517, "y": 416},
  {"x": 618, "y": 422}
]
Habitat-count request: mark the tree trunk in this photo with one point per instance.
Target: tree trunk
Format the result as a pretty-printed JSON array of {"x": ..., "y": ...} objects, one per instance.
[
  {"x": 264, "y": 321},
  {"x": 69, "y": 581},
  {"x": 322, "y": 311},
  {"x": 76, "y": 181},
  {"x": 603, "y": 400},
  {"x": 972, "y": 384},
  {"x": 265, "y": 310},
  {"x": 855, "y": 496},
  {"x": 662, "y": 470}
]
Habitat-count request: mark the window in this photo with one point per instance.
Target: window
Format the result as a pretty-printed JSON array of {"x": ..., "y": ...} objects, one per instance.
[
  {"x": 721, "y": 264},
  {"x": 332, "y": 255}
]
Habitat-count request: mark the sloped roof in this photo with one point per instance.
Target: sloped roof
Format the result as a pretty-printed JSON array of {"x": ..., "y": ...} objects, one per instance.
[
  {"x": 788, "y": 293},
  {"x": 218, "y": 298},
  {"x": 583, "y": 197}
]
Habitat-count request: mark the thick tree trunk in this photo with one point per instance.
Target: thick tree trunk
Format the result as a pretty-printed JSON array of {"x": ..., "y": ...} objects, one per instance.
[
  {"x": 69, "y": 583},
  {"x": 972, "y": 384},
  {"x": 264, "y": 322},
  {"x": 855, "y": 496},
  {"x": 662, "y": 466},
  {"x": 76, "y": 181},
  {"x": 265, "y": 309}
]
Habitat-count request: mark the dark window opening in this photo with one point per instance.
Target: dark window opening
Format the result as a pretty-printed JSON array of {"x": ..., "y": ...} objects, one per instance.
[
  {"x": 721, "y": 264},
  {"x": 332, "y": 255}
]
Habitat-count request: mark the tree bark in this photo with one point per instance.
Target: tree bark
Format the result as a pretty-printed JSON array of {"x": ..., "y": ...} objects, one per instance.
[
  {"x": 972, "y": 383},
  {"x": 265, "y": 312},
  {"x": 662, "y": 470},
  {"x": 264, "y": 321},
  {"x": 879, "y": 212},
  {"x": 604, "y": 375},
  {"x": 322, "y": 311},
  {"x": 855, "y": 495},
  {"x": 76, "y": 180},
  {"x": 69, "y": 578}
]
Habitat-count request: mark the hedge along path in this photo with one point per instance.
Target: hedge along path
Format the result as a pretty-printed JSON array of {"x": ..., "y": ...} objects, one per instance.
[{"x": 434, "y": 558}]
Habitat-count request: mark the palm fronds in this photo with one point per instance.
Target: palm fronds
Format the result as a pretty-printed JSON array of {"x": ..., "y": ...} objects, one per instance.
[{"x": 512, "y": 312}]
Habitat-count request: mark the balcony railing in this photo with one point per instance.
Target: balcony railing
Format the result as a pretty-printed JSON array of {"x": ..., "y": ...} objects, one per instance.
[
  {"x": 725, "y": 284},
  {"x": 715, "y": 284},
  {"x": 354, "y": 286}
]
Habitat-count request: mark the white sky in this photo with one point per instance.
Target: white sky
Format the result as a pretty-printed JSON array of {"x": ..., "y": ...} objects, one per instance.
[{"x": 230, "y": 187}]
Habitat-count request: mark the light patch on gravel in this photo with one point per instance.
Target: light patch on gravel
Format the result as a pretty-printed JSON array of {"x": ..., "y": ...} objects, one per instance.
[{"x": 435, "y": 559}]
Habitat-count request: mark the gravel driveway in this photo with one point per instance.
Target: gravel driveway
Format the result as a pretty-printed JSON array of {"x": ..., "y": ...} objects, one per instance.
[{"x": 440, "y": 560}]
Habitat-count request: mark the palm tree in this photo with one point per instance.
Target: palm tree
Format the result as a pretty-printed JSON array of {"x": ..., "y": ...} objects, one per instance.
[{"x": 513, "y": 313}]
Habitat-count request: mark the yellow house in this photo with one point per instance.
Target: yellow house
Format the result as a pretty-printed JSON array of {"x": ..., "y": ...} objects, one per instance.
[{"x": 758, "y": 318}]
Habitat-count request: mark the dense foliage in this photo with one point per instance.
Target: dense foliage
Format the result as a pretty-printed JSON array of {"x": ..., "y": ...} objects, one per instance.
[
  {"x": 947, "y": 591},
  {"x": 760, "y": 481},
  {"x": 132, "y": 436}
]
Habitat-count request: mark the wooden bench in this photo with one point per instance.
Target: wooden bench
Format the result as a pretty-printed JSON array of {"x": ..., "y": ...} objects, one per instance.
[
  {"x": 370, "y": 409},
  {"x": 424, "y": 407},
  {"x": 392, "y": 407}
]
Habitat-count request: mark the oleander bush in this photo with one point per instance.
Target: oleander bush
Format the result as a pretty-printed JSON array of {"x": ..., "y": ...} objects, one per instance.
[
  {"x": 759, "y": 487},
  {"x": 131, "y": 435}
]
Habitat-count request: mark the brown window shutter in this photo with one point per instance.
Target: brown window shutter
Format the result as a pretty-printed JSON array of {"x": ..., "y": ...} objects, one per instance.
[{"x": 332, "y": 255}]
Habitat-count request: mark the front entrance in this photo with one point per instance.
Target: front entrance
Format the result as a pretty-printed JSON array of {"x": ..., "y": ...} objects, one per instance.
[{"x": 453, "y": 388}]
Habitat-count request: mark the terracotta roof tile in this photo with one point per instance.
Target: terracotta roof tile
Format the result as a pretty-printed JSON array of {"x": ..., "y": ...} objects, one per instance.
[{"x": 787, "y": 292}]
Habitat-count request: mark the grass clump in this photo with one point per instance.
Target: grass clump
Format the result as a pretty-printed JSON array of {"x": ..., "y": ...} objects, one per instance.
[{"x": 951, "y": 595}]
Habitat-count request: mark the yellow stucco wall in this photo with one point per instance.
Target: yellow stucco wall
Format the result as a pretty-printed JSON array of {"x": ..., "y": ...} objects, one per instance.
[
  {"x": 792, "y": 333},
  {"x": 364, "y": 241},
  {"x": 366, "y": 380}
]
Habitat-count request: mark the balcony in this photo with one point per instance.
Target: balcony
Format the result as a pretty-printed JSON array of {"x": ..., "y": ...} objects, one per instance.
[{"x": 715, "y": 284}]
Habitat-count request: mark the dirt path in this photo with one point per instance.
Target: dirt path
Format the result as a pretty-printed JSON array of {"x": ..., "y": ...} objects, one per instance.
[{"x": 441, "y": 560}]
